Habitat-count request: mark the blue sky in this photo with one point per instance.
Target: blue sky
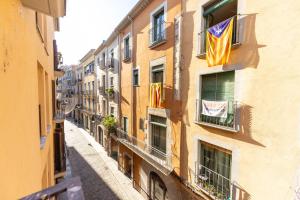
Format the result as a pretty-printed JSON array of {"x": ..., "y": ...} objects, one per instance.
[{"x": 87, "y": 23}]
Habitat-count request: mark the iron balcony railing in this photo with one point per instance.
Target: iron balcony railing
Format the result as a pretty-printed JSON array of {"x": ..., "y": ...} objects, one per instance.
[
  {"x": 235, "y": 36},
  {"x": 229, "y": 123},
  {"x": 111, "y": 63},
  {"x": 157, "y": 34},
  {"x": 102, "y": 90},
  {"x": 214, "y": 184},
  {"x": 127, "y": 54},
  {"x": 102, "y": 64},
  {"x": 69, "y": 189},
  {"x": 163, "y": 158}
]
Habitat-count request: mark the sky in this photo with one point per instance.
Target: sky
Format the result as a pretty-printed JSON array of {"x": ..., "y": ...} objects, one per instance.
[{"x": 87, "y": 24}]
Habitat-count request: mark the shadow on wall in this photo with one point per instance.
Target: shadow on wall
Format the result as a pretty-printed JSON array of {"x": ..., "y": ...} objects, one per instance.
[
  {"x": 247, "y": 54},
  {"x": 185, "y": 64},
  {"x": 94, "y": 187},
  {"x": 244, "y": 121}
]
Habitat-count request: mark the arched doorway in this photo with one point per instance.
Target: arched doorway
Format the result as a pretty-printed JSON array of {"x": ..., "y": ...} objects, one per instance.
[{"x": 158, "y": 190}]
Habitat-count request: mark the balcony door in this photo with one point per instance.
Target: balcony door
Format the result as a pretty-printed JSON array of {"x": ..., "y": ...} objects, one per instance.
[
  {"x": 158, "y": 25},
  {"x": 158, "y": 136}
]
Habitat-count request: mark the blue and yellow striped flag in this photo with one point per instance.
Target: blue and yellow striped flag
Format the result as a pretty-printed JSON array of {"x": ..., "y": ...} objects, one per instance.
[{"x": 218, "y": 43}]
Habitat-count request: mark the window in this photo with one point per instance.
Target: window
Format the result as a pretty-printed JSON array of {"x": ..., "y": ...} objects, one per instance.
[
  {"x": 127, "y": 48},
  {"x": 103, "y": 59},
  {"x": 112, "y": 111},
  {"x": 158, "y": 133},
  {"x": 158, "y": 74},
  {"x": 219, "y": 87},
  {"x": 112, "y": 60},
  {"x": 125, "y": 124},
  {"x": 216, "y": 12},
  {"x": 136, "y": 77},
  {"x": 214, "y": 169},
  {"x": 93, "y": 86},
  {"x": 157, "y": 33},
  {"x": 111, "y": 82}
]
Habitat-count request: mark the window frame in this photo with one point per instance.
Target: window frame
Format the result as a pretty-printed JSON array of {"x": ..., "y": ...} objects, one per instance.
[
  {"x": 127, "y": 37},
  {"x": 137, "y": 69},
  {"x": 163, "y": 6}
]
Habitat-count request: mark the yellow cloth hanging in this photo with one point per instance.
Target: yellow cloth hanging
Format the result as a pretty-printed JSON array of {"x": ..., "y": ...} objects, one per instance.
[{"x": 155, "y": 95}]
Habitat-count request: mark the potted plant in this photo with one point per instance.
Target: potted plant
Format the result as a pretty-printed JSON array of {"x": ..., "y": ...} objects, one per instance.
[
  {"x": 110, "y": 92},
  {"x": 110, "y": 123}
]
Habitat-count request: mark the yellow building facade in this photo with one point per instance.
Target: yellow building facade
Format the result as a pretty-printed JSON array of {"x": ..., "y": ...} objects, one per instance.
[
  {"x": 257, "y": 143},
  {"x": 27, "y": 82}
]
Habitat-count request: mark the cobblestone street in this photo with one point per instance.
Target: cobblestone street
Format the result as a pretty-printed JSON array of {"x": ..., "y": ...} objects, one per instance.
[{"x": 99, "y": 173}]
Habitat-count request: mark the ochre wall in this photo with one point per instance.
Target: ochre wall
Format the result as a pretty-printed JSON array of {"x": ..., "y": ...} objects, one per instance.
[
  {"x": 22, "y": 160},
  {"x": 267, "y": 89},
  {"x": 143, "y": 57}
]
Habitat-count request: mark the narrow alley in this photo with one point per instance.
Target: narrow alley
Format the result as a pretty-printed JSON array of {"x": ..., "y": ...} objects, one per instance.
[{"x": 99, "y": 173}]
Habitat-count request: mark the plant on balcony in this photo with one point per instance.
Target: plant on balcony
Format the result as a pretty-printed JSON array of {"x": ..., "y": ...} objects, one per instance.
[
  {"x": 109, "y": 122},
  {"x": 110, "y": 91}
]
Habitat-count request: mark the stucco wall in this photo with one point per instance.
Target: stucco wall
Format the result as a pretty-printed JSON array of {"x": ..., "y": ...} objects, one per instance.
[
  {"x": 266, "y": 85},
  {"x": 21, "y": 49}
]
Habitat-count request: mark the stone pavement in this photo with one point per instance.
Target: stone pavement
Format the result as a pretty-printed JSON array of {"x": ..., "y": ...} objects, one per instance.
[{"x": 99, "y": 173}]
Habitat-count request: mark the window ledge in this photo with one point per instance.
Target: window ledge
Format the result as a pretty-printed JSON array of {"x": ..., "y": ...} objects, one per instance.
[
  {"x": 233, "y": 130},
  {"x": 234, "y": 46},
  {"x": 156, "y": 44}
]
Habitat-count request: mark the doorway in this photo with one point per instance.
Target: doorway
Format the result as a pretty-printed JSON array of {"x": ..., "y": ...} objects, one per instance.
[{"x": 127, "y": 166}]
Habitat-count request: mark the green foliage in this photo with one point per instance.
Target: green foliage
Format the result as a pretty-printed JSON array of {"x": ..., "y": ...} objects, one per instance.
[
  {"x": 110, "y": 123},
  {"x": 110, "y": 91}
]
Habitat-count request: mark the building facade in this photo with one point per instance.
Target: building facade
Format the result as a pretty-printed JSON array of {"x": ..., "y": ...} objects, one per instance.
[
  {"x": 89, "y": 84},
  {"x": 31, "y": 149},
  {"x": 242, "y": 149},
  {"x": 153, "y": 77}
]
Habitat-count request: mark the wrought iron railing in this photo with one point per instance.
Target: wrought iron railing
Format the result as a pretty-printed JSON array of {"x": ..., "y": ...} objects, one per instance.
[
  {"x": 213, "y": 183},
  {"x": 111, "y": 63},
  {"x": 70, "y": 189},
  {"x": 157, "y": 34},
  {"x": 127, "y": 54},
  {"x": 163, "y": 158},
  {"x": 235, "y": 36},
  {"x": 102, "y": 90},
  {"x": 230, "y": 122}
]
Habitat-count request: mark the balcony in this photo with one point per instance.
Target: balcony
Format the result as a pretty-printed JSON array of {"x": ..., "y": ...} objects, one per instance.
[
  {"x": 57, "y": 59},
  {"x": 160, "y": 160},
  {"x": 59, "y": 117},
  {"x": 54, "y": 8},
  {"x": 214, "y": 184},
  {"x": 235, "y": 38},
  {"x": 157, "y": 35},
  {"x": 127, "y": 54},
  {"x": 111, "y": 64},
  {"x": 102, "y": 90},
  {"x": 102, "y": 64},
  {"x": 69, "y": 189},
  {"x": 230, "y": 123}
]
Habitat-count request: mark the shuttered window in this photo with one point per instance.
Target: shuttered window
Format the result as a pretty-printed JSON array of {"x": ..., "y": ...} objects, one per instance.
[{"x": 219, "y": 87}]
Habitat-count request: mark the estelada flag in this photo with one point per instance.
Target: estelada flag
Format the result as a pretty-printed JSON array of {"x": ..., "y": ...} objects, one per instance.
[{"x": 218, "y": 43}]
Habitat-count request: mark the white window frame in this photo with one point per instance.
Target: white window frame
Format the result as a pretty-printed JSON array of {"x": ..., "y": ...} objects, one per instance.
[
  {"x": 163, "y": 6},
  {"x": 127, "y": 36}
]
